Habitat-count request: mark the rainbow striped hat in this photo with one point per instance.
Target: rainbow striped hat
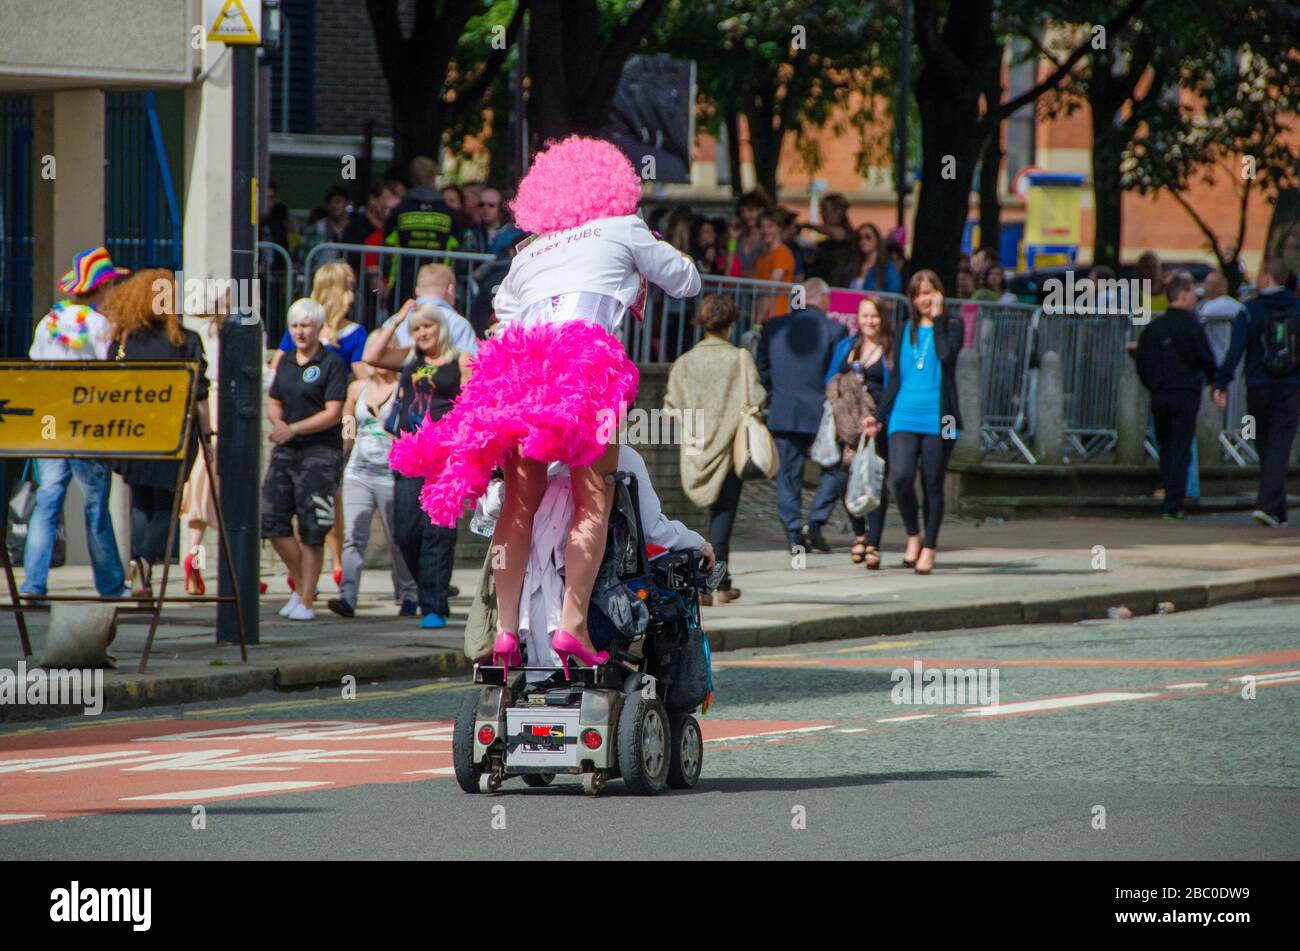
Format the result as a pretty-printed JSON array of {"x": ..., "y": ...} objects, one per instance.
[{"x": 89, "y": 270}]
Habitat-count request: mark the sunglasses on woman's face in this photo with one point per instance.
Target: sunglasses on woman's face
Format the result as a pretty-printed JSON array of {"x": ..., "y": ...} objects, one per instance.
[{"x": 865, "y": 235}]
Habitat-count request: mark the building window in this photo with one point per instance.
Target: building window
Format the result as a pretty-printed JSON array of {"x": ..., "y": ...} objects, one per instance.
[{"x": 292, "y": 102}]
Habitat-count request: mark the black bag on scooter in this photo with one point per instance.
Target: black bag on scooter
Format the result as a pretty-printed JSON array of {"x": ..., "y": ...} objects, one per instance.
[{"x": 691, "y": 678}]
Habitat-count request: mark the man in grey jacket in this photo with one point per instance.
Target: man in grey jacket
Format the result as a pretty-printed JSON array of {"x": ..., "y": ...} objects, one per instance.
[{"x": 793, "y": 356}]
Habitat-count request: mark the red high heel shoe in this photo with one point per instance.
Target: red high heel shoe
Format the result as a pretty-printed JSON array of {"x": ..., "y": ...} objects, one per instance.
[
  {"x": 566, "y": 645},
  {"x": 193, "y": 580},
  {"x": 506, "y": 651}
]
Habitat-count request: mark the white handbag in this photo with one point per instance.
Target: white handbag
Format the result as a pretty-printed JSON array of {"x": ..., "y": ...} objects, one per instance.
[
  {"x": 866, "y": 479},
  {"x": 825, "y": 450},
  {"x": 753, "y": 450}
]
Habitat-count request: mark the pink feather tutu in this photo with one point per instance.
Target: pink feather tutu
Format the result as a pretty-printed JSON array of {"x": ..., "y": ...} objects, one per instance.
[{"x": 556, "y": 392}]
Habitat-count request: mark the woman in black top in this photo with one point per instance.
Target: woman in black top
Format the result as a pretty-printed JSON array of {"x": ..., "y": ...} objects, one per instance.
[
  {"x": 870, "y": 356},
  {"x": 142, "y": 332},
  {"x": 432, "y": 373}
]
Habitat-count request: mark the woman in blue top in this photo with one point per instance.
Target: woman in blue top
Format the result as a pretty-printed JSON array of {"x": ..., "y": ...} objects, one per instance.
[
  {"x": 872, "y": 269},
  {"x": 333, "y": 286},
  {"x": 920, "y": 407}
]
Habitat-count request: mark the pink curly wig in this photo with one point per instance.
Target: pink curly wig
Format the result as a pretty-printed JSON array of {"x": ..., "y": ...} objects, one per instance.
[{"x": 575, "y": 181}]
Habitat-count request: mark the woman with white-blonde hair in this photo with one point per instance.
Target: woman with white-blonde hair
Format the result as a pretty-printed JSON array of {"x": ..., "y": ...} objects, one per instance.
[
  {"x": 305, "y": 408},
  {"x": 432, "y": 374},
  {"x": 333, "y": 286}
]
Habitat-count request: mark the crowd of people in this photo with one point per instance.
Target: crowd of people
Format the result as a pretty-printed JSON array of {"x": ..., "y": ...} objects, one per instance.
[
  {"x": 405, "y": 208},
  {"x": 341, "y": 397}
]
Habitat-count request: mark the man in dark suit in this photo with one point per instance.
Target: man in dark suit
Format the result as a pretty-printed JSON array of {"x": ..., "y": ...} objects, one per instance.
[{"x": 794, "y": 353}]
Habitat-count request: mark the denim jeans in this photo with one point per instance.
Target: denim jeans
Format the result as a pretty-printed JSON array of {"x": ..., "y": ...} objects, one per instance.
[
  {"x": 792, "y": 448},
  {"x": 52, "y": 477}
]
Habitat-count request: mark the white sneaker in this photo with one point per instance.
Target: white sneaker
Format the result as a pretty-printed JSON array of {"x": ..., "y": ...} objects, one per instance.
[
  {"x": 301, "y": 613},
  {"x": 1264, "y": 518},
  {"x": 293, "y": 603}
]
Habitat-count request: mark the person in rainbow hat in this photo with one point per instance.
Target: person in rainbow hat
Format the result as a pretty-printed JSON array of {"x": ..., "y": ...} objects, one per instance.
[{"x": 74, "y": 329}]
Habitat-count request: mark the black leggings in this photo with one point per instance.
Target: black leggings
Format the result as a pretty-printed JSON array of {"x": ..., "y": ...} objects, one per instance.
[
  {"x": 429, "y": 550},
  {"x": 722, "y": 518},
  {"x": 151, "y": 516},
  {"x": 933, "y": 451}
]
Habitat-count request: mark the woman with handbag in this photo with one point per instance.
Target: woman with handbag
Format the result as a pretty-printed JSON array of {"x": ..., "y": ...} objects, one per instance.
[
  {"x": 433, "y": 372},
  {"x": 715, "y": 387},
  {"x": 368, "y": 487},
  {"x": 859, "y": 374},
  {"x": 920, "y": 408}
]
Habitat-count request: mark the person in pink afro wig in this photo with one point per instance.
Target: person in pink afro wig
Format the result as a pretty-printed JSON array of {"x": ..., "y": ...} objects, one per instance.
[
  {"x": 554, "y": 384},
  {"x": 575, "y": 181}
]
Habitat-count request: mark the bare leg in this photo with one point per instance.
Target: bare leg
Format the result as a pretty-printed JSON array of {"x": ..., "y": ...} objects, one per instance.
[
  {"x": 335, "y": 536},
  {"x": 586, "y": 544},
  {"x": 312, "y": 558},
  {"x": 513, "y": 538},
  {"x": 291, "y": 554}
]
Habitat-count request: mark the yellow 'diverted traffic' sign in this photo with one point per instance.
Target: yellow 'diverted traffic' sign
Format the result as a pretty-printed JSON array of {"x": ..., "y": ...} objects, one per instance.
[{"x": 92, "y": 409}]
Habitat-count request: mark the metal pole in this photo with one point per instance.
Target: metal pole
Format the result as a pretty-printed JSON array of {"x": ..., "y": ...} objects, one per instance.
[
  {"x": 240, "y": 373},
  {"x": 904, "y": 99}
]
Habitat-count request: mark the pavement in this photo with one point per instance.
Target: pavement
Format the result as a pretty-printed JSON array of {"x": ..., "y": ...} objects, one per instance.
[
  {"x": 1163, "y": 737},
  {"x": 988, "y": 573}
]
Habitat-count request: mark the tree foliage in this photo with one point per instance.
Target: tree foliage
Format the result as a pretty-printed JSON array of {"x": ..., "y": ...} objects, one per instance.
[
  {"x": 1231, "y": 125},
  {"x": 789, "y": 67}
]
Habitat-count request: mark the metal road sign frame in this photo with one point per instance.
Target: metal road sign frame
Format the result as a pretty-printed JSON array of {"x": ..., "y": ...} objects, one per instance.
[{"x": 178, "y": 454}]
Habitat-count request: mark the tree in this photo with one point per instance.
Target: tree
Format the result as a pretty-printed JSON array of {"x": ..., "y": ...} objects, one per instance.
[
  {"x": 1232, "y": 125},
  {"x": 957, "y": 40},
  {"x": 788, "y": 66},
  {"x": 1127, "y": 81},
  {"x": 436, "y": 75},
  {"x": 576, "y": 53}
]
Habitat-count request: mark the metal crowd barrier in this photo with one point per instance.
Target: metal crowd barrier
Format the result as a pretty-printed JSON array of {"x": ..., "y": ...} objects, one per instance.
[
  {"x": 1003, "y": 335},
  {"x": 669, "y": 328},
  {"x": 476, "y": 276},
  {"x": 278, "y": 284},
  {"x": 1091, "y": 348}
]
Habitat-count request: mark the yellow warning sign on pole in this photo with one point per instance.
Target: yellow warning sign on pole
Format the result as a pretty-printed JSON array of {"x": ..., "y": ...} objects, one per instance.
[
  {"x": 91, "y": 408},
  {"x": 233, "y": 21}
]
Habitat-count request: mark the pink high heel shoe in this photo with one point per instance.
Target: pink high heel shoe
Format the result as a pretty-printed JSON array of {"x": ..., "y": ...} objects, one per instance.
[
  {"x": 566, "y": 645},
  {"x": 506, "y": 651}
]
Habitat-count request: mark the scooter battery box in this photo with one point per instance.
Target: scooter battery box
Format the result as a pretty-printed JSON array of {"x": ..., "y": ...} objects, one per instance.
[{"x": 540, "y": 735}]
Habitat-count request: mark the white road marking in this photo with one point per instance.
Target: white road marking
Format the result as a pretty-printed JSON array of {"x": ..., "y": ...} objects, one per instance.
[
  {"x": 904, "y": 719},
  {"x": 1191, "y": 686},
  {"x": 1052, "y": 703},
  {"x": 14, "y": 817},
  {"x": 1267, "y": 678},
  {"x": 856, "y": 729},
  {"x": 436, "y": 771},
  {"x": 767, "y": 733},
  {"x": 193, "y": 795}
]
